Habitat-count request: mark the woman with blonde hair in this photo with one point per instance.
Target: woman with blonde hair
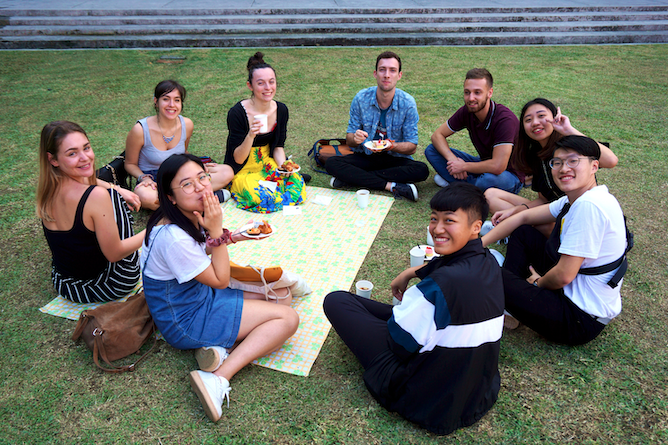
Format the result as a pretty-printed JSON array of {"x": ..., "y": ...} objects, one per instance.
[{"x": 86, "y": 221}]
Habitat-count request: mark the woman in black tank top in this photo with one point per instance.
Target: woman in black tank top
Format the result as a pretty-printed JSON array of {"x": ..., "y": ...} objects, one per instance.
[{"x": 86, "y": 221}]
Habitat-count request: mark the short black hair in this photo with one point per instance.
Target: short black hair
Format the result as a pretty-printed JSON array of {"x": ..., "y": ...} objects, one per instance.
[
  {"x": 166, "y": 173},
  {"x": 580, "y": 144},
  {"x": 461, "y": 195}
]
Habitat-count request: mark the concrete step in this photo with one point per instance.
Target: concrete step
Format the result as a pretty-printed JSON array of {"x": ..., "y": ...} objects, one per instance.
[
  {"x": 55, "y": 29},
  {"x": 366, "y": 28},
  {"x": 332, "y": 39},
  {"x": 112, "y": 20}
]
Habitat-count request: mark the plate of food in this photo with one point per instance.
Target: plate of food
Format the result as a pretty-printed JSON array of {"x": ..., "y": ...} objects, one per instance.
[
  {"x": 429, "y": 252},
  {"x": 257, "y": 230},
  {"x": 288, "y": 167},
  {"x": 378, "y": 146}
]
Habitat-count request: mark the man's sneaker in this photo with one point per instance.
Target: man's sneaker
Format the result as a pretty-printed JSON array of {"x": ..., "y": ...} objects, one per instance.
[
  {"x": 211, "y": 390},
  {"x": 408, "y": 191},
  {"x": 336, "y": 183},
  {"x": 210, "y": 358},
  {"x": 438, "y": 179}
]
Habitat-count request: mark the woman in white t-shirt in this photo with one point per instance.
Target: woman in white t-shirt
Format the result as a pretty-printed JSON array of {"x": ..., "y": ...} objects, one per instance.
[
  {"x": 549, "y": 284},
  {"x": 187, "y": 292}
]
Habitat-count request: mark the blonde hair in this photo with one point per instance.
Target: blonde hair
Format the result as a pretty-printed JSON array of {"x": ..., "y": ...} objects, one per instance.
[{"x": 50, "y": 177}]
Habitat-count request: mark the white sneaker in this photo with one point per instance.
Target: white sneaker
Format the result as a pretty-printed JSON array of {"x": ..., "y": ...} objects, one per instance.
[
  {"x": 486, "y": 227},
  {"x": 438, "y": 179},
  {"x": 498, "y": 256},
  {"x": 211, "y": 390},
  {"x": 210, "y": 358},
  {"x": 226, "y": 195}
]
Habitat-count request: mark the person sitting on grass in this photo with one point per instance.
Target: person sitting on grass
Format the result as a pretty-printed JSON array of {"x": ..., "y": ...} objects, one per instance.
[
  {"x": 388, "y": 113},
  {"x": 256, "y": 154},
  {"x": 187, "y": 292},
  {"x": 155, "y": 138},
  {"x": 566, "y": 287},
  {"x": 86, "y": 221},
  {"x": 434, "y": 358},
  {"x": 541, "y": 126}
]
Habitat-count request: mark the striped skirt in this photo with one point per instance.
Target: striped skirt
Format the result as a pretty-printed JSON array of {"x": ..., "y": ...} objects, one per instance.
[{"x": 117, "y": 279}]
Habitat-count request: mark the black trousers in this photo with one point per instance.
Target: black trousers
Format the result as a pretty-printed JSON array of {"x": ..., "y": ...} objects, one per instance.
[
  {"x": 360, "y": 322},
  {"x": 548, "y": 312},
  {"x": 375, "y": 171}
]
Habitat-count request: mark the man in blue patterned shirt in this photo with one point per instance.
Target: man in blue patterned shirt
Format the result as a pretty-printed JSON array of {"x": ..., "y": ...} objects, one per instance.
[{"x": 383, "y": 112}]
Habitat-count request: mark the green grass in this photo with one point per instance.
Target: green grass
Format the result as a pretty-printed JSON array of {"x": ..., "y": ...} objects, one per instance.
[{"x": 612, "y": 390}]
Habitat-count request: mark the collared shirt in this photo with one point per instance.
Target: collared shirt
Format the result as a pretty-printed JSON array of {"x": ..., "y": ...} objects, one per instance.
[
  {"x": 401, "y": 120},
  {"x": 500, "y": 127}
]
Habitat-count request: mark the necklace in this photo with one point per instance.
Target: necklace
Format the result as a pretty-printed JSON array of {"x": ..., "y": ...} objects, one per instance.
[{"x": 164, "y": 138}]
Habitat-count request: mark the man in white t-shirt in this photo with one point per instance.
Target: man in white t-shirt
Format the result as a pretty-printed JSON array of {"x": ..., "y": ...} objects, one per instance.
[{"x": 549, "y": 284}]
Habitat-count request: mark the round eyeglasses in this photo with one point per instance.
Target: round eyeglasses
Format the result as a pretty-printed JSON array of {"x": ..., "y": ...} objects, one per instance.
[
  {"x": 188, "y": 187},
  {"x": 556, "y": 163}
]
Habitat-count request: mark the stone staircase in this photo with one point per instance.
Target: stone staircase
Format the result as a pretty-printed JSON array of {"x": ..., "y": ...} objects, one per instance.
[{"x": 68, "y": 29}]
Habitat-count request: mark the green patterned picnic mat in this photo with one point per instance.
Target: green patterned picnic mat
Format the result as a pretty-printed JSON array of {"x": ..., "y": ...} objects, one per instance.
[{"x": 325, "y": 244}]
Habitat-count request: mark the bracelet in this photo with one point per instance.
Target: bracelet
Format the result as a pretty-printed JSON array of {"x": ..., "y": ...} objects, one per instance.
[
  {"x": 144, "y": 175},
  {"x": 225, "y": 238},
  {"x": 525, "y": 206}
]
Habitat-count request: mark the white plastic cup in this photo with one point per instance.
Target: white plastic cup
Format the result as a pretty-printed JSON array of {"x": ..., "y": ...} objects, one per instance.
[
  {"x": 417, "y": 256},
  {"x": 362, "y": 198},
  {"x": 262, "y": 118},
  {"x": 396, "y": 301},
  {"x": 430, "y": 240},
  {"x": 364, "y": 288}
]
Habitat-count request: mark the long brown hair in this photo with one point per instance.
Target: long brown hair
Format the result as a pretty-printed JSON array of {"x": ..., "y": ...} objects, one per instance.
[
  {"x": 519, "y": 158},
  {"x": 50, "y": 177}
]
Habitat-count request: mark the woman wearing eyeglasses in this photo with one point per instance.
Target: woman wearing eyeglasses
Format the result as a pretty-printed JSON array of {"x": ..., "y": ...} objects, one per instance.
[
  {"x": 187, "y": 292},
  {"x": 566, "y": 287},
  {"x": 541, "y": 126}
]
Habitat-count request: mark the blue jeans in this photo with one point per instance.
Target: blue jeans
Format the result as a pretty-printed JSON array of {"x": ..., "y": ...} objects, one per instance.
[{"x": 505, "y": 181}]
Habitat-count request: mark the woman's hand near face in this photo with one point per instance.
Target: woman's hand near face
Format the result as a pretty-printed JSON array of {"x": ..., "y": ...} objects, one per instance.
[
  {"x": 562, "y": 124},
  {"x": 212, "y": 220}
]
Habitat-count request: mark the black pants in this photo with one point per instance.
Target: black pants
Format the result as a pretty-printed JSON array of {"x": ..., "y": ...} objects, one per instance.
[
  {"x": 375, "y": 171},
  {"x": 548, "y": 312},
  {"x": 360, "y": 322}
]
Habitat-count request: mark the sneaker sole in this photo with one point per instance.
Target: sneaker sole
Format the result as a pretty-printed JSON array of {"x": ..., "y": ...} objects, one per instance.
[
  {"x": 199, "y": 388},
  {"x": 207, "y": 359},
  {"x": 414, "y": 190}
]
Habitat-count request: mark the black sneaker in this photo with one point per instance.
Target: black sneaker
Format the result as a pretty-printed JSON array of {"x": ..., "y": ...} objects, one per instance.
[
  {"x": 408, "y": 191},
  {"x": 336, "y": 183}
]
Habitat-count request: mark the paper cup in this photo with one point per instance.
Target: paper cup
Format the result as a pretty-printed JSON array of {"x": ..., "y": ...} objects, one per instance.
[
  {"x": 417, "y": 256},
  {"x": 363, "y": 288},
  {"x": 262, "y": 118},
  {"x": 430, "y": 240},
  {"x": 362, "y": 198}
]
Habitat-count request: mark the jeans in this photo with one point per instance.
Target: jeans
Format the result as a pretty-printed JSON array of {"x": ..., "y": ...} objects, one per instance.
[{"x": 505, "y": 181}]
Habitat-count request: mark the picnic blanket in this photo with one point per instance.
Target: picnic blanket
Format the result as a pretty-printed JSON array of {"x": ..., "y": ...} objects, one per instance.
[{"x": 325, "y": 244}]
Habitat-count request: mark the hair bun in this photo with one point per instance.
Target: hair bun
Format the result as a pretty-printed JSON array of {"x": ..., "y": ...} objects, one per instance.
[{"x": 255, "y": 59}]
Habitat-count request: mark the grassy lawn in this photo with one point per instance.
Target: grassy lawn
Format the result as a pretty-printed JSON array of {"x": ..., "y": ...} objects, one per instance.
[{"x": 612, "y": 390}]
